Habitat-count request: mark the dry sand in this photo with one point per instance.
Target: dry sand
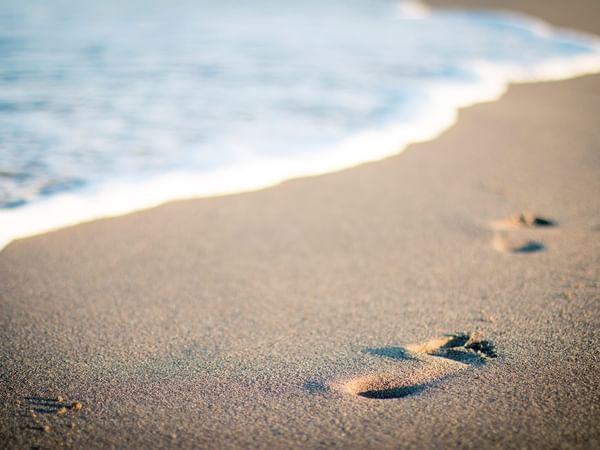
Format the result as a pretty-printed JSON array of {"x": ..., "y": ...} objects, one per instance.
[{"x": 254, "y": 320}]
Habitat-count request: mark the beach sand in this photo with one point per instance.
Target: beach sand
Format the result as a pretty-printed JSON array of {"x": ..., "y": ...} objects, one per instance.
[{"x": 399, "y": 304}]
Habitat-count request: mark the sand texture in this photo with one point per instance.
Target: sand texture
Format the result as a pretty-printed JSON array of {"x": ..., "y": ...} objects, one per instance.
[{"x": 409, "y": 303}]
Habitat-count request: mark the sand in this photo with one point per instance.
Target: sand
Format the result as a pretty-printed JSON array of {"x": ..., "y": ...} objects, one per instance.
[{"x": 289, "y": 317}]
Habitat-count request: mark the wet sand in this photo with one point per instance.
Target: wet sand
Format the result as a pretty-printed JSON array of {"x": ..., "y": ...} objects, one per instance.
[{"x": 401, "y": 304}]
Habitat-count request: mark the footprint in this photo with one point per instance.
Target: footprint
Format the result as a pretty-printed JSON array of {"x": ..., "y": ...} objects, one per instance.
[
  {"x": 435, "y": 361},
  {"x": 438, "y": 359},
  {"x": 51, "y": 414},
  {"x": 509, "y": 233},
  {"x": 526, "y": 219},
  {"x": 506, "y": 244},
  {"x": 464, "y": 347}
]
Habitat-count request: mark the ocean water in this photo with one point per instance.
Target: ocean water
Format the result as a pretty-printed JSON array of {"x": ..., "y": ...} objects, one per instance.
[{"x": 114, "y": 106}]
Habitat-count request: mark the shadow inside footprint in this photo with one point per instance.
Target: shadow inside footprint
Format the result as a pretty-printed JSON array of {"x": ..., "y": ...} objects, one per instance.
[
  {"x": 44, "y": 405},
  {"x": 466, "y": 348},
  {"x": 518, "y": 246},
  {"x": 528, "y": 247},
  {"x": 465, "y": 342},
  {"x": 397, "y": 392}
]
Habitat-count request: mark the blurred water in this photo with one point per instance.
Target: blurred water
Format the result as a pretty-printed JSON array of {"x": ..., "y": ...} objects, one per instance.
[{"x": 96, "y": 94}]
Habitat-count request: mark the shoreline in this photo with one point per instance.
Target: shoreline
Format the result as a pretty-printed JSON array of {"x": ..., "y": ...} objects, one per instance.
[
  {"x": 267, "y": 319},
  {"x": 122, "y": 197}
]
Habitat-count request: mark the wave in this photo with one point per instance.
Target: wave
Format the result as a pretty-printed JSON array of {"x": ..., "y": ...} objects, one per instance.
[{"x": 437, "y": 113}]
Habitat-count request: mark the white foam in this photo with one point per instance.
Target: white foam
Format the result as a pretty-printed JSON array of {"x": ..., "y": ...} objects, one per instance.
[{"x": 444, "y": 101}]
